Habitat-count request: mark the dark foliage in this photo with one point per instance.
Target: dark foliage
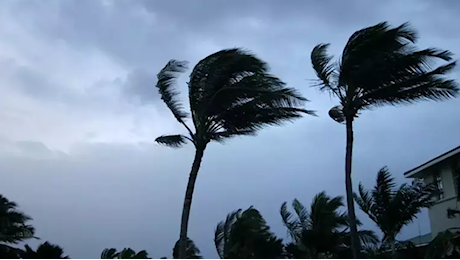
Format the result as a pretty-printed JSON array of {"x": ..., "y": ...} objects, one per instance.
[{"x": 245, "y": 234}]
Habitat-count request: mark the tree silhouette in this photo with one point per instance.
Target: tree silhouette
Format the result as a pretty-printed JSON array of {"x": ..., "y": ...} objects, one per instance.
[
  {"x": 126, "y": 253},
  {"x": 192, "y": 251},
  {"x": 231, "y": 94},
  {"x": 44, "y": 251},
  {"x": 390, "y": 208},
  {"x": 379, "y": 66},
  {"x": 321, "y": 231},
  {"x": 245, "y": 234},
  {"x": 13, "y": 227}
]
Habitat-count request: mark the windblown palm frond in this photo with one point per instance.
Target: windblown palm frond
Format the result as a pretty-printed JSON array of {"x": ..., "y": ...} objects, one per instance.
[
  {"x": 13, "y": 227},
  {"x": 291, "y": 225},
  {"x": 174, "y": 141},
  {"x": 222, "y": 233},
  {"x": 169, "y": 94},
  {"x": 324, "y": 69},
  {"x": 109, "y": 253}
]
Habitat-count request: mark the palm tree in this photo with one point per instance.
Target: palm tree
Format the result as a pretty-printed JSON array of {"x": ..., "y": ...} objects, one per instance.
[
  {"x": 245, "y": 234},
  {"x": 126, "y": 253},
  {"x": 231, "y": 94},
  {"x": 379, "y": 66},
  {"x": 390, "y": 208},
  {"x": 13, "y": 227},
  {"x": 445, "y": 245},
  {"x": 44, "y": 251},
  {"x": 192, "y": 251},
  {"x": 322, "y": 231}
]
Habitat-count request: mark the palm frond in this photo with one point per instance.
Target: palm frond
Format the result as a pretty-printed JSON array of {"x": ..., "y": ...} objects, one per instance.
[
  {"x": 418, "y": 86},
  {"x": 384, "y": 189},
  {"x": 291, "y": 225},
  {"x": 222, "y": 136},
  {"x": 109, "y": 253},
  {"x": 13, "y": 223},
  {"x": 365, "y": 202},
  {"x": 169, "y": 94},
  {"x": 301, "y": 211},
  {"x": 368, "y": 237},
  {"x": 222, "y": 233},
  {"x": 174, "y": 141},
  {"x": 324, "y": 69},
  {"x": 251, "y": 116}
]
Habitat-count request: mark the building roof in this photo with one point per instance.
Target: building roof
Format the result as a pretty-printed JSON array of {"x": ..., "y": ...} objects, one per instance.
[
  {"x": 421, "y": 240},
  {"x": 432, "y": 162}
]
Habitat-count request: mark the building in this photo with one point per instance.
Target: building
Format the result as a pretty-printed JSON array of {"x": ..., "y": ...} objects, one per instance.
[{"x": 444, "y": 171}]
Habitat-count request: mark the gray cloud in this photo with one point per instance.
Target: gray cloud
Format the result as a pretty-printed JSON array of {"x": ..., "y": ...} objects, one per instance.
[{"x": 79, "y": 113}]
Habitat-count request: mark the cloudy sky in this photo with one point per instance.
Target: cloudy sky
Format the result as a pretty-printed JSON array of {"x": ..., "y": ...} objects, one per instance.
[{"x": 79, "y": 113}]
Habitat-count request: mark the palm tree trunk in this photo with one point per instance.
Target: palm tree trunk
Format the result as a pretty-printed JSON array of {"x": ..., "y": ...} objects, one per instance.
[
  {"x": 393, "y": 248},
  {"x": 188, "y": 201},
  {"x": 355, "y": 245}
]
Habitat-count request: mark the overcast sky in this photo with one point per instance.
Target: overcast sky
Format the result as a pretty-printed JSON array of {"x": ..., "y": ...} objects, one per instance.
[{"x": 79, "y": 113}]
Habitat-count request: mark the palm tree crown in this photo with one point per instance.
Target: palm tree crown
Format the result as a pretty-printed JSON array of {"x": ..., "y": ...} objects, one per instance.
[
  {"x": 231, "y": 93},
  {"x": 245, "y": 234},
  {"x": 192, "y": 251},
  {"x": 380, "y": 65},
  {"x": 322, "y": 230},
  {"x": 392, "y": 208}
]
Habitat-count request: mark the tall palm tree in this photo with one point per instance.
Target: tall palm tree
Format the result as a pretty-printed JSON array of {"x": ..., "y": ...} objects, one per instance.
[
  {"x": 231, "y": 94},
  {"x": 379, "y": 66},
  {"x": 245, "y": 234},
  {"x": 192, "y": 251},
  {"x": 322, "y": 231},
  {"x": 390, "y": 208},
  {"x": 13, "y": 227},
  {"x": 44, "y": 251}
]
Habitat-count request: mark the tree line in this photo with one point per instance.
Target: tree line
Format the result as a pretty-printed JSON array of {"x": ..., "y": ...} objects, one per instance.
[
  {"x": 232, "y": 93},
  {"x": 318, "y": 231}
]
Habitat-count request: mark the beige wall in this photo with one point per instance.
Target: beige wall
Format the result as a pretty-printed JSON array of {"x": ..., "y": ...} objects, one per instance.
[
  {"x": 438, "y": 216},
  {"x": 438, "y": 213}
]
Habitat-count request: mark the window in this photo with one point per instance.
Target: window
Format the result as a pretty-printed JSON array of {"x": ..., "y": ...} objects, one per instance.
[
  {"x": 438, "y": 184},
  {"x": 456, "y": 176}
]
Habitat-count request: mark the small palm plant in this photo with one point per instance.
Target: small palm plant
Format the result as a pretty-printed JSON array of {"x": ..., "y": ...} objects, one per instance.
[
  {"x": 44, "y": 251},
  {"x": 231, "y": 94},
  {"x": 321, "y": 231},
  {"x": 13, "y": 223},
  {"x": 192, "y": 251},
  {"x": 390, "y": 208},
  {"x": 126, "y": 253},
  {"x": 379, "y": 66},
  {"x": 245, "y": 234}
]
